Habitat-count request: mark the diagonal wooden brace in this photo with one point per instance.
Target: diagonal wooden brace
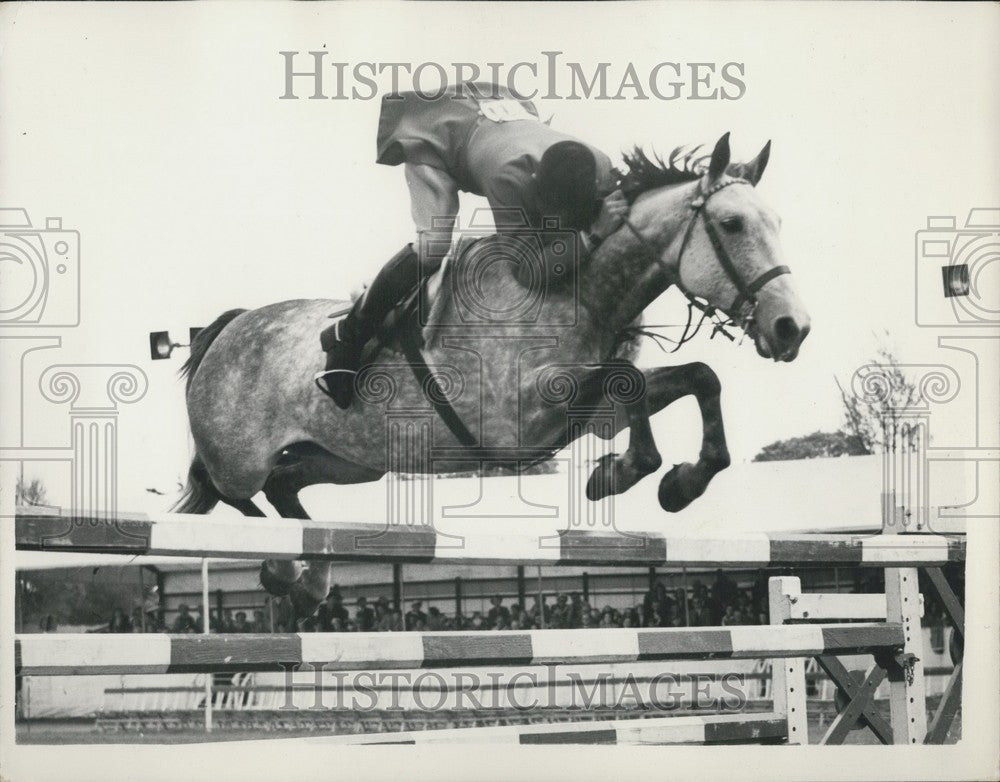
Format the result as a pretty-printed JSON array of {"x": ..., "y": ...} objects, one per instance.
[
  {"x": 952, "y": 605},
  {"x": 851, "y": 687},
  {"x": 947, "y": 708},
  {"x": 861, "y": 704},
  {"x": 951, "y": 701}
]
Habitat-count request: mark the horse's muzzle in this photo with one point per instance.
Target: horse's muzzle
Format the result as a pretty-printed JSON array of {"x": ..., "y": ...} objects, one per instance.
[{"x": 785, "y": 337}]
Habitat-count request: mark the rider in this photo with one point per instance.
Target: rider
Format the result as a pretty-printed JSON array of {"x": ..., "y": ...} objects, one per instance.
[{"x": 480, "y": 139}]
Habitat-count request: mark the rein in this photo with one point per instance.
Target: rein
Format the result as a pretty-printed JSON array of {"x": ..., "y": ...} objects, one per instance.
[{"x": 746, "y": 292}]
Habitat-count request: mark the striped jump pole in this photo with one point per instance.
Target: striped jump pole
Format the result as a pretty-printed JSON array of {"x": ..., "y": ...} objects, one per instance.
[
  {"x": 71, "y": 654},
  {"x": 707, "y": 729},
  {"x": 269, "y": 538}
]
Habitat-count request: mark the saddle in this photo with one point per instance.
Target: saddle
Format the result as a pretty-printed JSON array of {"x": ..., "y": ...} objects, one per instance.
[
  {"x": 417, "y": 313},
  {"x": 402, "y": 329}
]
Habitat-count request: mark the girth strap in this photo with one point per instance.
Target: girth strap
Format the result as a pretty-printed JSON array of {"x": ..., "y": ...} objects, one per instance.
[{"x": 408, "y": 340}]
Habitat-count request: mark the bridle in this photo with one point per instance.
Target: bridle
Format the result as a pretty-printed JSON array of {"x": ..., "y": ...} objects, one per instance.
[{"x": 745, "y": 304}]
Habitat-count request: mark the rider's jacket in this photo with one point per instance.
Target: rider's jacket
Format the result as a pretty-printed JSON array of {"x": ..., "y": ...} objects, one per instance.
[{"x": 488, "y": 141}]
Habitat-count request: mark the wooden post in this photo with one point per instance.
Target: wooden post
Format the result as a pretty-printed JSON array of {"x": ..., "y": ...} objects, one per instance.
[
  {"x": 684, "y": 587},
  {"x": 652, "y": 578},
  {"x": 586, "y": 586},
  {"x": 907, "y": 691},
  {"x": 397, "y": 586},
  {"x": 20, "y": 602},
  {"x": 205, "y": 629},
  {"x": 458, "y": 601},
  {"x": 788, "y": 676},
  {"x": 218, "y": 609},
  {"x": 541, "y": 601},
  {"x": 142, "y": 601},
  {"x": 161, "y": 598},
  {"x": 522, "y": 591}
]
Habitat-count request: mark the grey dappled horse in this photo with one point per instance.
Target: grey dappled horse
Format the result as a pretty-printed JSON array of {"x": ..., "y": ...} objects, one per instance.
[{"x": 259, "y": 423}]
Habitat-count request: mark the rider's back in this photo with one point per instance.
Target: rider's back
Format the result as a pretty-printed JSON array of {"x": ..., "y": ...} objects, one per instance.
[{"x": 488, "y": 140}]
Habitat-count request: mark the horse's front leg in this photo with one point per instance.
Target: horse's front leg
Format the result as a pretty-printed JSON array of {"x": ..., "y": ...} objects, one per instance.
[
  {"x": 617, "y": 473},
  {"x": 685, "y": 482}
]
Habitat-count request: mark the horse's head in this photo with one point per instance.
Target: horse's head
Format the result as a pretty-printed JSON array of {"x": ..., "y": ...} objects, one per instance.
[{"x": 725, "y": 250}]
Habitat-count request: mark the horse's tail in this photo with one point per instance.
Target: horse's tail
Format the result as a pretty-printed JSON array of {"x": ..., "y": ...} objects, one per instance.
[
  {"x": 200, "y": 494},
  {"x": 204, "y": 340}
]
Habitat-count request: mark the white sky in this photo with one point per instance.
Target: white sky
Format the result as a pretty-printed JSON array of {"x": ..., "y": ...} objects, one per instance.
[{"x": 157, "y": 133}]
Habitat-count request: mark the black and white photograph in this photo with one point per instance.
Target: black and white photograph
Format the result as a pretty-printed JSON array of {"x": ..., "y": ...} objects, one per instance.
[{"x": 609, "y": 386}]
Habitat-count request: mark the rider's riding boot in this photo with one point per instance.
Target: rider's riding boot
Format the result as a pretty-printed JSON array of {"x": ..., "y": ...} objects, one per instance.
[{"x": 344, "y": 340}]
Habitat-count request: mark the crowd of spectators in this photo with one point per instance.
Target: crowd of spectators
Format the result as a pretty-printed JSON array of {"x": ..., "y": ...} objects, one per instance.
[
  {"x": 186, "y": 622},
  {"x": 724, "y": 603}
]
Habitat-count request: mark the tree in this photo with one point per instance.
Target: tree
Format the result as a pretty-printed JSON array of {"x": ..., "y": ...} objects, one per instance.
[
  {"x": 880, "y": 391},
  {"x": 30, "y": 493},
  {"x": 812, "y": 446},
  {"x": 77, "y": 596}
]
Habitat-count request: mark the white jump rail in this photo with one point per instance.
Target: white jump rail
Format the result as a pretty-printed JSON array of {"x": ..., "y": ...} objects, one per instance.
[
  {"x": 706, "y": 729},
  {"x": 269, "y": 538},
  {"x": 54, "y": 654}
]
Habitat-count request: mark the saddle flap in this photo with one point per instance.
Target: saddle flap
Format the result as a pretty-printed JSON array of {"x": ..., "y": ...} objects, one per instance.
[{"x": 419, "y": 305}]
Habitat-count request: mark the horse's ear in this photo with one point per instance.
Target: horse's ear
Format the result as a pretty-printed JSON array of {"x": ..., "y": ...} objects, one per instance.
[
  {"x": 720, "y": 158},
  {"x": 754, "y": 170}
]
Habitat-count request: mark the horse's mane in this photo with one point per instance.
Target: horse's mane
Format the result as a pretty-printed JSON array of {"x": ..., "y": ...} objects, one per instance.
[{"x": 643, "y": 173}]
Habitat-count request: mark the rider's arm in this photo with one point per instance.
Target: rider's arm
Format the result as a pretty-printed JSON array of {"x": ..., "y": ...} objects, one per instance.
[
  {"x": 434, "y": 205},
  {"x": 613, "y": 212}
]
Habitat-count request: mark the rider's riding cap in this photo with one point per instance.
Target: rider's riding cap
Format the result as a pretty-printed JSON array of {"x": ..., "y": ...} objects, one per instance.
[{"x": 566, "y": 185}]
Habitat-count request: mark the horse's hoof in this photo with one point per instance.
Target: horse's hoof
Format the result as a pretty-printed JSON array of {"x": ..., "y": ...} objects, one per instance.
[
  {"x": 679, "y": 488},
  {"x": 303, "y": 604},
  {"x": 272, "y": 585},
  {"x": 602, "y": 479}
]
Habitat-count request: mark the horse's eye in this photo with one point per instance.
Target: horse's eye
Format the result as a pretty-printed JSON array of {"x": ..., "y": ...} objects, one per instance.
[{"x": 732, "y": 225}]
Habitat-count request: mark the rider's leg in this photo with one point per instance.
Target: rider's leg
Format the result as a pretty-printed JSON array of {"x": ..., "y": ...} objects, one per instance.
[
  {"x": 344, "y": 340},
  {"x": 434, "y": 202}
]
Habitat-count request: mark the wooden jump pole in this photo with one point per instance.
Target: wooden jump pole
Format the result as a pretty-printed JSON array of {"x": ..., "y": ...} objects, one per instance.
[
  {"x": 72, "y": 654},
  {"x": 206, "y": 630}
]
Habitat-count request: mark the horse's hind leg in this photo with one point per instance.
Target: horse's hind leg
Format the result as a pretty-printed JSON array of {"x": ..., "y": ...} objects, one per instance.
[
  {"x": 276, "y": 576},
  {"x": 307, "y": 587},
  {"x": 246, "y": 507}
]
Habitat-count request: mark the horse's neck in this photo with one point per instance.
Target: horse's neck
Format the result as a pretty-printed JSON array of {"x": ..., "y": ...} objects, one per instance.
[
  {"x": 625, "y": 275},
  {"x": 613, "y": 287}
]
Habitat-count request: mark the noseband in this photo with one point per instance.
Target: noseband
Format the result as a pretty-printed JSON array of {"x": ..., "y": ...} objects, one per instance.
[{"x": 745, "y": 303}]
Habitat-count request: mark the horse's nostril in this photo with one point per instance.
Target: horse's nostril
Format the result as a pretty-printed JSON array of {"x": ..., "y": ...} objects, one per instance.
[{"x": 786, "y": 330}]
